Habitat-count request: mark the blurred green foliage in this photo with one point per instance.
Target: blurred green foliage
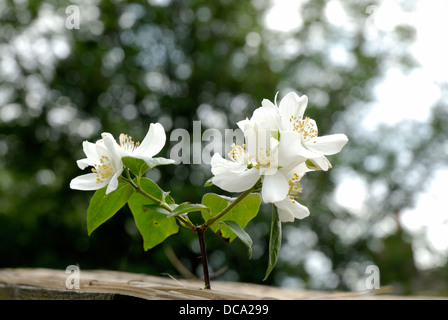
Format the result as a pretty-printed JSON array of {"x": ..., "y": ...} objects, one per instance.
[{"x": 135, "y": 62}]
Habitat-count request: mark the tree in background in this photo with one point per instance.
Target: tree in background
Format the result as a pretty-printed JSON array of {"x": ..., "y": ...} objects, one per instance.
[{"x": 175, "y": 62}]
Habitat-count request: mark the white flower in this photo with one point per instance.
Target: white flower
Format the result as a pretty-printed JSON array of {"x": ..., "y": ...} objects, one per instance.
[
  {"x": 281, "y": 146},
  {"x": 264, "y": 118},
  {"x": 107, "y": 167},
  {"x": 289, "y": 208},
  {"x": 302, "y": 132},
  {"x": 152, "y": 144},
  {"x": 262, "y": 156},
  {"x": 259, "y": 158},
  {"x": 105, "y": 158},
  {"x": 233, "y": 175}
]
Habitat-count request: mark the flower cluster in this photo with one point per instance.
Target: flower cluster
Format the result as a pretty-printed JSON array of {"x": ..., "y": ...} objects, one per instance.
[
  {"x": 105, "y": 156},
  {"x": 281, "y": 147}
]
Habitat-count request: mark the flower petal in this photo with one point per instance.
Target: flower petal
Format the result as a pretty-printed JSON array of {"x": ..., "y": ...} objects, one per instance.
[
  {"x": 90, "y": 150},
  {"x": 320, "y": 163},
  {"x": 268, "y": 104},
  {"x": 296, "y": 172},
  {"x": 275, "y": 188},
  {"x": 237, "y": 182},
  {"x": 291, "y": 151},
  {"x": 326, "y": 145},
  {"x": 289, "y": 209},
  {"x": 153, "y": 142},
  {"x": 102, "y": 149},
  {"x": 266, "y": 117},
  {"x": 292, "y": 105},
  {"x": 222, "y": 166},
  {"x": 113, "y": 183},
  {"x": 285, "y": 215},
  {"x": 155, "y": 162},
  {"x": 87, "y": 182},
  {"x": 243, "y": 123},
  {"x": 114, "y": 150},
  {"x": 84, "y": 163},
  {"x": 91, "y": 153}
]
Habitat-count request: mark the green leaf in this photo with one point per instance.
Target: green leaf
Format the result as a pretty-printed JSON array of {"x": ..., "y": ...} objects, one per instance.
[
  {"x": 153, "y": 225},
  {"x": 187, "y": 207},
  {"x": 102, "y": 207},
  {"x": 241, "y": 234},
  {"x": 242, "y": 213},
  {"x": 137, "y": 166},
  {"x": 153, "y": 189},
  {"x": 275, "y": 241},
  {"x": 156, "y": 207}
]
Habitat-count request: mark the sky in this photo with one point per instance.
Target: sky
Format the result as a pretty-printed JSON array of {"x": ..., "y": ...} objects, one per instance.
[{"x": 400, "y": 96}]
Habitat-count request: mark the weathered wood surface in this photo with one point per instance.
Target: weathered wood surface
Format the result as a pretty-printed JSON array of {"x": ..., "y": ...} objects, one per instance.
[{"x": 49, "y": 284}]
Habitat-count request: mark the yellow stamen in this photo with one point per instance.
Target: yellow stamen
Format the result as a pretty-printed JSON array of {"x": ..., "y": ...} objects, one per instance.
[
  {"x": 294, "y": 187},
  {"x": 263, "y": 159},
  {"x": 104, "y": 170},
  {"x": 127, "y": 143},
  {"x": 305, "y": 127},
  {"x": 237, "y": 152}
]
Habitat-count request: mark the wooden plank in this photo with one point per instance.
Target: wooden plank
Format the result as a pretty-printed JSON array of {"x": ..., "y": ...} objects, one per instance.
[
  {"x": 50, "y": 284},
  {"x": 24, "y": 292}
]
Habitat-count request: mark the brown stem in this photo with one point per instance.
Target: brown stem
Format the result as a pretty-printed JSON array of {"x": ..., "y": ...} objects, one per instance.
[{"x": 200, "y": 232}]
